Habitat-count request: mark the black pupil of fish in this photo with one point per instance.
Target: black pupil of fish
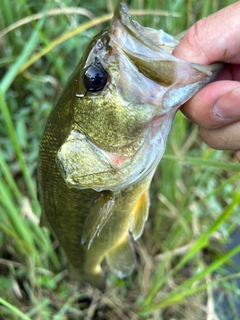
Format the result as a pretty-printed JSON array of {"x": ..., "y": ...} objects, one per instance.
[{"x": 95, "y": 78}]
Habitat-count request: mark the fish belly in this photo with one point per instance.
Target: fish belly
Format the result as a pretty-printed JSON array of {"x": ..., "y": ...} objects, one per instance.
[{"x": 66, "y": 211}]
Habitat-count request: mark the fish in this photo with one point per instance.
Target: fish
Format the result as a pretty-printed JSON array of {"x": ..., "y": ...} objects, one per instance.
[{"x": 104, "y": 139}]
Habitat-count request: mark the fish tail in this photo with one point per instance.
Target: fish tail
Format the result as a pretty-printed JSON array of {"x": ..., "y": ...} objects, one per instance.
[{"x": 94, "y": 277}]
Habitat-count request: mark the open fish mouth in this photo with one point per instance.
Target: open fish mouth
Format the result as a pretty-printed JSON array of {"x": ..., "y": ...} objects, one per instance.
[
  {"x": 149, "y": 49},
  {"x": 143, "y": 47}
]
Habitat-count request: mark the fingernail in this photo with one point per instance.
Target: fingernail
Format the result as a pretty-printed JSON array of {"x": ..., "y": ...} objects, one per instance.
[{"x": 228, "y": 106}]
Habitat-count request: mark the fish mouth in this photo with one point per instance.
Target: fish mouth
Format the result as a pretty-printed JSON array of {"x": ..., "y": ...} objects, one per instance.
[
  {"x": 151, "y": 51},
  {"x": 143, "y": 47}
]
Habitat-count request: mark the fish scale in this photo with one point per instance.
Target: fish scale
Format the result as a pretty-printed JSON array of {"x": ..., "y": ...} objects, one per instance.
[{"x": 104, "y": 139}]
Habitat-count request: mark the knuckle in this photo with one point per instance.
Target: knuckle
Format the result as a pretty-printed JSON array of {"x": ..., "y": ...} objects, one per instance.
[
  {"x": 196, "y": 40},
  {"x": 213, "y": 140}
]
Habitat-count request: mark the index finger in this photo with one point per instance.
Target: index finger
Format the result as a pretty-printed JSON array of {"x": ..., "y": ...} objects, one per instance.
[{"x": 211, "y": 39}]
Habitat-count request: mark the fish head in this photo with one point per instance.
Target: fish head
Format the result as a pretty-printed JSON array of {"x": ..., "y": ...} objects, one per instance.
[{"x": 124, "y": 94}]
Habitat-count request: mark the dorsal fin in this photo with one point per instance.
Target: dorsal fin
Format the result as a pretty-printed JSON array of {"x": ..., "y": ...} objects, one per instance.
[
  {"x": 139, "y": 215},
  {"x": 98, "y": 216},
  {"x": 121, "y": 259}
]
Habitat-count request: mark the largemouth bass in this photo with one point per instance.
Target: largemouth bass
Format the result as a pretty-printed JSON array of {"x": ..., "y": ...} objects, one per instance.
[{"x": 104, "y": 139}]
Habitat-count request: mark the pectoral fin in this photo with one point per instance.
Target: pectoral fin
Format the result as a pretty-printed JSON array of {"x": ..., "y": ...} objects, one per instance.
[
  {"x": 121, "y": 259},
  {"x": 98, "y": 216},
  {"x": 139, "y": 215}
]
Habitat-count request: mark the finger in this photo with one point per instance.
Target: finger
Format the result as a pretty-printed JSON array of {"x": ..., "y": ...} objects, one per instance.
[
  {"x": 225, "y": 138},
  {"x": 216, "y": 105},
  {"x": 215, "y": 38}
]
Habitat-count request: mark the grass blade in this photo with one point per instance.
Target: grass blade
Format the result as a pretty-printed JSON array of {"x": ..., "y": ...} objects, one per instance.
[
  {"x": 203, "y": 162},
  {"x": 13, "y": 136},
  {"x": 13, "y": 309},
  {"x": 196, "y": 247},
  {"x": 186, "y": 288},
  {"x": 14, "y": 70}
]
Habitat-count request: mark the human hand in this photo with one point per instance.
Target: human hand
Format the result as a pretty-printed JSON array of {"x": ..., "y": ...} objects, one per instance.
[{"x": 216, "y": 108}]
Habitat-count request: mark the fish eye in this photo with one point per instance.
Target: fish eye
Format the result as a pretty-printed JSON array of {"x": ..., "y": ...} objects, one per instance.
[{"x": 95, "y": 77}]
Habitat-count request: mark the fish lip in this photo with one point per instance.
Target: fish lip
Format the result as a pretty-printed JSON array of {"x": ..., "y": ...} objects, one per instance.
[
  {"x": 145, "y": 52},
  {"x": 122, "y": 18},
  {"x": 122, "y": 15}
]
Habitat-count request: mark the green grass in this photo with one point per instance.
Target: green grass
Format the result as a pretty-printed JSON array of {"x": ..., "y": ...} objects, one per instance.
[{"x": 194, "y": 195}]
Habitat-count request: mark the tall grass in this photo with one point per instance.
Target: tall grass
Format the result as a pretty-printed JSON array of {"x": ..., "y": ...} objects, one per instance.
[{"x": 194, "y": 195}]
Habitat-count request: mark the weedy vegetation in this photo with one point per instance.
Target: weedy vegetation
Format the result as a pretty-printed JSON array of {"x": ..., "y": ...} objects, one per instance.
[{"x": 185, "y": 263}]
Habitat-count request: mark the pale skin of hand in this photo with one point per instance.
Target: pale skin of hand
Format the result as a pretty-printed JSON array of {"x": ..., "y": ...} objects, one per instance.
[{"x": 216, "y": 108}]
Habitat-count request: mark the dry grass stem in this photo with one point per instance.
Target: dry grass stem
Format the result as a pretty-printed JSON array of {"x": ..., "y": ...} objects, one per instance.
[{"x": 174, "y": 253}]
